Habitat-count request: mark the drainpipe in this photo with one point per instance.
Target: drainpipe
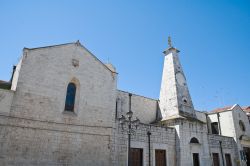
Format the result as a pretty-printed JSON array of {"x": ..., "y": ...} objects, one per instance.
[
  {"x": 149, "y": 154},
  {"x": 218, "y": 117},
  {"x": 221, "y": 151}
]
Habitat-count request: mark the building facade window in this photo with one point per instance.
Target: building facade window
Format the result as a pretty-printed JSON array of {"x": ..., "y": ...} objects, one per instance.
[
  {"x": 194, "y": 140},
  {"x": 215, "y": 128},
  {"x": 196, "y": 160},
  {"x": 160, "y": 157},
  {"x": 228, "y": 159},
  {"x": 216, "y": 159},
  {"x": 242, "y": 126},
  {"x": 136, "y": 155},
  {"x": 70, "y": 97}
]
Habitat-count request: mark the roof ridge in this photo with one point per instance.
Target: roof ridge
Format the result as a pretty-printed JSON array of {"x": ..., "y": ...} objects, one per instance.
[
  {"x": 55, "y": 45},
  {"x": 76, "y": 43},
  {"x": 138, "y": 95}
]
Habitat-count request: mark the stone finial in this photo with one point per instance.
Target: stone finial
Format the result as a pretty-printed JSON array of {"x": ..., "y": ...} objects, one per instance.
[
  {"x": 111, "y": 67},
  {"x": 170, "y": 47},
  {"x": 25, "y": 51},
  {"x": 78, "y": 43},
  {"x": 169, "y": 42}
]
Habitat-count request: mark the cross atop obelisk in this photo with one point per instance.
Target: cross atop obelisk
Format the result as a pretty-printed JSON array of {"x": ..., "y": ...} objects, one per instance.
[{"x": 169, "y": 42}]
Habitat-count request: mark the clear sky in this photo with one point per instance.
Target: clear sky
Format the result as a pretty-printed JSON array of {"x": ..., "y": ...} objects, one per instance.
[{"x": 213, "y": 37}]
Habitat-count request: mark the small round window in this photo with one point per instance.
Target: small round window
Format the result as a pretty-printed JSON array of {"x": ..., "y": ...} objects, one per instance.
[{"x": 242, "y": 126}]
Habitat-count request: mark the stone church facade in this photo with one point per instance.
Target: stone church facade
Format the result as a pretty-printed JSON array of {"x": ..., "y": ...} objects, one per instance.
[{"x": 62, "y": 107}]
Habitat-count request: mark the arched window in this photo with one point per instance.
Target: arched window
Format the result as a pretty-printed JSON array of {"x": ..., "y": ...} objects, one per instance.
[
  {"x": 70, "y": 97},
  {"x": 194, "y": 140}
]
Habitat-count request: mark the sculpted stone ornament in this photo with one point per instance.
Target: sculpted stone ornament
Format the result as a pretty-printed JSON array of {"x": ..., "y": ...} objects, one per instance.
[
  {"x": 75, "y": 62},
  {"x": 78, "y": 43}
]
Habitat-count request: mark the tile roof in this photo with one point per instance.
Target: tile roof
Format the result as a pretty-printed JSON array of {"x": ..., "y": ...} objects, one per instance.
[
  {"x": 246, "y": 109},
  {"x": 221, "y": 109},
  {"x": 217, "y": 110}
]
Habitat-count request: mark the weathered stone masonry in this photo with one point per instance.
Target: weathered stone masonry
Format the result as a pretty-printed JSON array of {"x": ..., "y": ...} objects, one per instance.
[{"x": 35, "y": 128}]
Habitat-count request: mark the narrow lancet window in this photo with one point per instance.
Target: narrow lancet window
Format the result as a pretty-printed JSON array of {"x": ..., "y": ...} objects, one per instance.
[{"x": 70, "y": 97}]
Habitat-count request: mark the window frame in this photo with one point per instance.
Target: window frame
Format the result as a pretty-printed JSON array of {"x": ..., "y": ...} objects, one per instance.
[
  {"x": 215, "y": 129},
  {"x": 75, "y": 111},
  {"x": 70, "y": 98}
]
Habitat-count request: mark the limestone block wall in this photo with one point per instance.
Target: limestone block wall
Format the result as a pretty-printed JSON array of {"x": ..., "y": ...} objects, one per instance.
[
  {"x": 29, "y": 142},
  {"x": 37, "y": 130},
  {"x": 161, "y": 138},
  {"x": 201, "y": 116},
  {"x": 228, "y": 145},
  {"x": 229, "y": 121},
  {"x": 239, "y": 115},
  {"x": 186, "y": 130},
  {"x": 6, "y": 97},
  {"x": 43, "y": 79},
  {"x": 145, "y": 109}
]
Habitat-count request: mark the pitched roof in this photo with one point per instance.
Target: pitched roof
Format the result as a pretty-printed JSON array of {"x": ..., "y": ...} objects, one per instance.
[
  {"x": 5, "y": 84},
  {"x": 78, "y": 44},
  {"x": 55, "y": 45},
  {"x": 246, "y": 109},
  {"x": 217, "y": 110},
  {"x": 227, "y": 108}
]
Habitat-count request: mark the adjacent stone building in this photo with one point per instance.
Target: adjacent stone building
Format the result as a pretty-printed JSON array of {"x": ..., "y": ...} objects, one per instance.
[{"x": 62, "y": 107}]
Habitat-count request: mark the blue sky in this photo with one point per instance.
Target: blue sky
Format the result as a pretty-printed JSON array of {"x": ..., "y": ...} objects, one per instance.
[{"x": 213, "y": 37}]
